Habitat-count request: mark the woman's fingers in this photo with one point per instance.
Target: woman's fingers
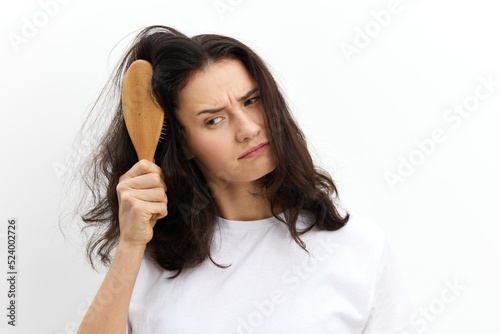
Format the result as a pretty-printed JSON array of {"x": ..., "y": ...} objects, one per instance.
[
  {"x": 142, "y": 167},
  {"x": 150, "y": 195},
  {"x": 146, "y": 181},
  {"x": 159, "y": 209},
  {"x": 142, "y": 201}
]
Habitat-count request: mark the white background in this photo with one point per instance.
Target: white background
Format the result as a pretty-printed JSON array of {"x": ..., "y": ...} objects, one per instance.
[{"x": 362, "y": 116}]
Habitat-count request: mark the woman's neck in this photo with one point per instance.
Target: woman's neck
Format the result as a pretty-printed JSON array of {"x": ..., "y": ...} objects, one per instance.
[{"x": 237, "y": 203}]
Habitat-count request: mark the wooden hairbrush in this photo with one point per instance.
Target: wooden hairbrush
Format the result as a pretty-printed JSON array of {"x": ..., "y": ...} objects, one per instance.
[{"x": 144, "y": 118}]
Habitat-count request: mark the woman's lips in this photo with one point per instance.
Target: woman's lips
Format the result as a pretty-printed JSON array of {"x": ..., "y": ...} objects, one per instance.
[{"x": 255, "y": 151}]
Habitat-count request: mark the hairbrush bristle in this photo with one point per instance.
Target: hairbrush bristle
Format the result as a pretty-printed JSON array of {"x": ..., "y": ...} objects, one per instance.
[{"x": 163, "y": 130}]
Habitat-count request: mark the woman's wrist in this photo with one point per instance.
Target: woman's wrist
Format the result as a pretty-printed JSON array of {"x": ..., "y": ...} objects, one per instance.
[{"x": 130, "y": 247}]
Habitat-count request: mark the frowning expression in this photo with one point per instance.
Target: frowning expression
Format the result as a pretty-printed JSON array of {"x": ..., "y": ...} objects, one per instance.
[{"x": 223, "y": 118}]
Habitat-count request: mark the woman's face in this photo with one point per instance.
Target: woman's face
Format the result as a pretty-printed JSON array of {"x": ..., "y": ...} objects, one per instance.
[{"x": 222, "y": 116}]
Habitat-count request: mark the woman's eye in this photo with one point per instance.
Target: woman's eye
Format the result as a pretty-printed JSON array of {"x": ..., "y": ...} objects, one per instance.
[
  {"x": 210, "y": 123},
  {"x": 251, "y": 101}
]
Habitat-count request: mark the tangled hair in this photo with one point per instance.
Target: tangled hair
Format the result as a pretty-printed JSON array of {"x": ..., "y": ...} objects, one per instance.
[{"x": 183, "y": 238}]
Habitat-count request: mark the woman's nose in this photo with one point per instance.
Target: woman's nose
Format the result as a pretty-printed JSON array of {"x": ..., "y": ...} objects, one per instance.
[{"x": 247, "y": 124}]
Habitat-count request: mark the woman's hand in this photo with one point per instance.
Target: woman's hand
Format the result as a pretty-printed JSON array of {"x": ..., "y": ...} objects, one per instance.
[{"x": 142, "y": 200}]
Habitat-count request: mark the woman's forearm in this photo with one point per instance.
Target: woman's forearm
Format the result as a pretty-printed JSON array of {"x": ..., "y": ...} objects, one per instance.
[{"x": 109, "y": 309}]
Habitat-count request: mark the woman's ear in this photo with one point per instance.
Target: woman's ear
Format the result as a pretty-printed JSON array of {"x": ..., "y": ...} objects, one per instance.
[
  {"x": 189, "y": 155},
  {"x": 185, "y": 147},
  {"x": 187, "y": 152}
]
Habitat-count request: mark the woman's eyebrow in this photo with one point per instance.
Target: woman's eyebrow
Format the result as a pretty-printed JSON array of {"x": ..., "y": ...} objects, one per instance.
[{"x": 244, "y": 97}]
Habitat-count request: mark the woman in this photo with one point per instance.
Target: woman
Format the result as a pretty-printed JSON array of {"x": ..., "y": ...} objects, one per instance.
[{"x": 232, "y": 229}]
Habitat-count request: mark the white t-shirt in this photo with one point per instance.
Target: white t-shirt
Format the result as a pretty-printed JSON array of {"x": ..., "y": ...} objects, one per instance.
[{"x": 350, "y": 284}]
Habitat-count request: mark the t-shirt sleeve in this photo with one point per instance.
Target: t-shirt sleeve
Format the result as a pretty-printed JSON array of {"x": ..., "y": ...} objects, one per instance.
[{"x": 392, "y": 308}]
